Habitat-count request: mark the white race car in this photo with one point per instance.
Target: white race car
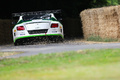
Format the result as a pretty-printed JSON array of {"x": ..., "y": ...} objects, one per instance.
[{"x": 35, "y": 25}]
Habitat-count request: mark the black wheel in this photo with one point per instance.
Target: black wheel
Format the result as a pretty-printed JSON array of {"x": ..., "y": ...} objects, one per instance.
[
  {"x": 57, "y": 39},
  {"x": 61, "y": 40},
  {"x": 18, "y": 42}
]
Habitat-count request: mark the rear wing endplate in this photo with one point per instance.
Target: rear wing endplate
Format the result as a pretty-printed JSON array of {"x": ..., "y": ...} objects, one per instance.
[{"x": 35, "y": 13}]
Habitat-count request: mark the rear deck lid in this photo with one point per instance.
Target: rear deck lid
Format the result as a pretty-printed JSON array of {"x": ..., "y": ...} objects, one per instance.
[{"x": 37, "y": 26}]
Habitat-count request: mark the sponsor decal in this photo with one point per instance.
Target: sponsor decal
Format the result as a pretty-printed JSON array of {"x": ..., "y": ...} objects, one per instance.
[{"x": 54, "y": 31}]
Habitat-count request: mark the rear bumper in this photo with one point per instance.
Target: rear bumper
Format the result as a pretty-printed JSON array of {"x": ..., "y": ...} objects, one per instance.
[{"x": 41, "y": 35}]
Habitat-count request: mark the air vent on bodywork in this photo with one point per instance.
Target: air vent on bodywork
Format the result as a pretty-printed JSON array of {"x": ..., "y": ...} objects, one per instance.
[{"x": 37, "y": 31}]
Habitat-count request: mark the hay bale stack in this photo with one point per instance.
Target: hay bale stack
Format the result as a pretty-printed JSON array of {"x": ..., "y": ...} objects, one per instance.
[
  {"x": 103, "y": 22},
  {"x": 5, "y": 31}
]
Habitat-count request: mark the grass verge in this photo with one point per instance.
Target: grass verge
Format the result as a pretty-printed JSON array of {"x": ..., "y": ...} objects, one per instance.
[
  {"x": 99, "y": 39},
  {"x": 4, "y": 54},
  {"x": 81, "y": 65}
]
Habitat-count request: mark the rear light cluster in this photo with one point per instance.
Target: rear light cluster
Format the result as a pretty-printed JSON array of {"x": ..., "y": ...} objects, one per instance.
[
  {"x": 54, "y": 25},
  {"x": 19, "y": 28}
]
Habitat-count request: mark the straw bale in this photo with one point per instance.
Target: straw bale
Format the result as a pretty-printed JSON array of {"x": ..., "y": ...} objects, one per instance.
[
  {"x": 103, "y": 22},
  {"x": 5, "y": 31}
]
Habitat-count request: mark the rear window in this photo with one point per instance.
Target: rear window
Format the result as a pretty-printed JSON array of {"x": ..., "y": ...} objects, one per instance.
[{"x": 33, "y": 17}]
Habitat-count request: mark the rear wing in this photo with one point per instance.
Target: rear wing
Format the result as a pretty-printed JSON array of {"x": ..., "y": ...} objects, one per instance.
[{"x": 35, "y": 13}]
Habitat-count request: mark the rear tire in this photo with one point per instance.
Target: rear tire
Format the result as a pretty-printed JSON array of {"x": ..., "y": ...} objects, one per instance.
[
  {"x": 56, "y": 39},
  {"x": 17, "y": 43}
]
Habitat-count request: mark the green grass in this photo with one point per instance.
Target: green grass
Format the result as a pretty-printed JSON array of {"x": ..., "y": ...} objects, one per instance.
[
  {"x": 99, "y": 39},
  {"x": 81, "y": 65},
  {"x": 3, "y": 54}
]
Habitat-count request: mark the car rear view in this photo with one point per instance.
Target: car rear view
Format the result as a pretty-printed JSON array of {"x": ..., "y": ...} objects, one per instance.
[{"x": 35, "y": 25}]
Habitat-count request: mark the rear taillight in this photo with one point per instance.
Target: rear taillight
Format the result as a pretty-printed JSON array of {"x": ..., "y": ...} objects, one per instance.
[
  {"x": 54, "y": 25},
  {"x": 20, "y": 28}
]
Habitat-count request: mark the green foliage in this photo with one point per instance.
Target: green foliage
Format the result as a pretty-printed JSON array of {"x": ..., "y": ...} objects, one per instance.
[
  {"x": 101, "y": 3},
  {"x": 112, "y": 2},
  {"x": 98, "y": 3},
  {"x": 73, "y": 7}
]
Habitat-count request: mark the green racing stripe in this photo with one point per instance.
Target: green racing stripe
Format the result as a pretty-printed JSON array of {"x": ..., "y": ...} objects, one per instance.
[{"x": 38, "y": 36}]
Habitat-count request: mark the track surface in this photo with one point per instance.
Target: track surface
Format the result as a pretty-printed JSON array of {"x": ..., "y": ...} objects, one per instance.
[{"x": 46, "y": 48}]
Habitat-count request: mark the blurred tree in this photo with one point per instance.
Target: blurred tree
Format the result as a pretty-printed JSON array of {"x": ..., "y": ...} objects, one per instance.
[
  {"x": 98, "y": 3},
  {"x": 112, "y": 2},
  {"x": 71, "y": 8},
  {"x": 101, "y": 3}
]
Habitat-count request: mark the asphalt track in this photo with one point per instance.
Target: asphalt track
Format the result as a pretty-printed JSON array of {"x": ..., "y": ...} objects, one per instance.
[{"x": 29, "y": 50}]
